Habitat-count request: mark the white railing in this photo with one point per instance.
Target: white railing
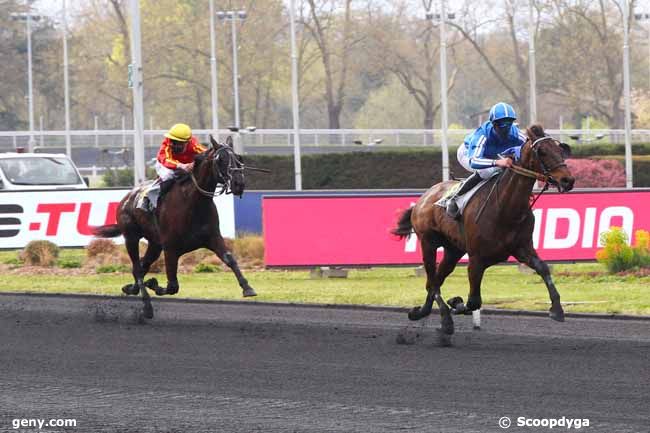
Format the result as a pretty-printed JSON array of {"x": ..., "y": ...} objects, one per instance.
[{"x": 282, "y": 138}]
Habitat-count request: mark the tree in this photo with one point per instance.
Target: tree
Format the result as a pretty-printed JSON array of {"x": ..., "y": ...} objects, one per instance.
[
  {"x": 333, "y": 32},
  {"x": 503, "y": 52},
  {"x": 589, "y": 33},
  {"x": 413, "y": 58}
]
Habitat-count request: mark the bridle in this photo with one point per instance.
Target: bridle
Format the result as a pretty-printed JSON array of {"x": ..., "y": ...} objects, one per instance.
[
  {"x": 223, "y": 178},
  {"x": 544, "y": 176}
]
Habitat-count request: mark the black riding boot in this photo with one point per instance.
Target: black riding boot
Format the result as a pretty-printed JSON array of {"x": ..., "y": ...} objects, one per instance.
[
  {"x": 165, "y": 186},
  {"x": 468, "y": 184}
]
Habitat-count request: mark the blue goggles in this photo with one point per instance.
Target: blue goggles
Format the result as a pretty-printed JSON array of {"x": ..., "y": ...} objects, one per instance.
[{"x": 503, "y": 123}]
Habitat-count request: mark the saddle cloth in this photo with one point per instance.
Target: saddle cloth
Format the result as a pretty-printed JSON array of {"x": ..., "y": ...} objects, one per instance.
[
  {"x": 147, "y": 195},
  {"x": 465, "y": 198}
]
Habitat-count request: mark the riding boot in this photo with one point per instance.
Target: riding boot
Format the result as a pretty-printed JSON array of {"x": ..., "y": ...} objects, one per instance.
[
  {"x": 468, "y": 184},
  {"x": 165, "y": 186}
]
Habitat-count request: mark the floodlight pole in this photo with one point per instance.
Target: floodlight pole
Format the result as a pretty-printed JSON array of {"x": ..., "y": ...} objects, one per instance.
[
  {"x": 531, "y": 65},
  {"x": 66, "y": 90},
  {"x": 294, "y": 101},
  {"x": 213, "y": 73},
  {"x": 626, "y": 96},
  {"x": 138, "y": 95},
  {"x": 443, "y": 88}
]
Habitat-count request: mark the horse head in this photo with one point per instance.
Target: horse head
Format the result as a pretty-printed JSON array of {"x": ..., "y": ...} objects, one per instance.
[
  {"x": 546, "y": 155},
  {"x": 227, "y": 166}
]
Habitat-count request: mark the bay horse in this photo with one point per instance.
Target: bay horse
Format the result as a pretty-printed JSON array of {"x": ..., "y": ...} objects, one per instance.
[
  {"x": 185, "y": 220},
  {"x": 497, "y": 223}
]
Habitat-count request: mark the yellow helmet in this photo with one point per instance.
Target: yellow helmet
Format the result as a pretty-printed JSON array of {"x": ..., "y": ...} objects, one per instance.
[{"x": 179, "y": 132}]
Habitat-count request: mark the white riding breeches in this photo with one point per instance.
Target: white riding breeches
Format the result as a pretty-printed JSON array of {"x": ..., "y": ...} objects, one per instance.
[
  {"x": 163, "y": 172},
  {"x": 463, "y": 159}
]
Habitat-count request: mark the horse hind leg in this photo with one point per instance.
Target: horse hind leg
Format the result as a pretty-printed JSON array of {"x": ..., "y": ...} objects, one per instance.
[
  {"x": 435, "y": 278},
  {"x": 428, "y": 247},
  {"x": 447, "y": 265},
  {"x": 133, "y": 249},
  {"x": 150, "y": 256},
  {"x": 218, "y": 246}
]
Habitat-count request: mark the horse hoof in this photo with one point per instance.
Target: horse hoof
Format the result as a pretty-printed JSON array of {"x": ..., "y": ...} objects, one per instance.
[
  {"x": 130, "y": 289},
  {"x": 151, "y": 283},
  {"x": 444, "y": 339},
  {"x": 160, "y": 291},
  {"x": 447, "y": 325},
  {"x": 147, "y": 311},
  {"x": 415, "y": 314},
  {"x": 557, "y": 315},
  {"x": 454, "y": 302},
  {"x": 460, "y": 308},
  {"x": 248, "y": 292}
]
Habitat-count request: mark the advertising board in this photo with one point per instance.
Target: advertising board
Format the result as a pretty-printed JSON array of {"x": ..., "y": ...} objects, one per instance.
[
  {"x": 355, "y": 230},
  {"x": 65, "y": 217}
]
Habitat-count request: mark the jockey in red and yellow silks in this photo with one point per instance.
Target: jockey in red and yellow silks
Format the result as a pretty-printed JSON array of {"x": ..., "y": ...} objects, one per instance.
[
  {"x": 177, "y": 151},
  {"x": 176, "y": 154}
]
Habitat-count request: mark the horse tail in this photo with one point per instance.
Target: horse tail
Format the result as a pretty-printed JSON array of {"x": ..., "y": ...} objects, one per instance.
[
  {"x": 107, "y": 231},
  {"x": 404, "y": 226}
]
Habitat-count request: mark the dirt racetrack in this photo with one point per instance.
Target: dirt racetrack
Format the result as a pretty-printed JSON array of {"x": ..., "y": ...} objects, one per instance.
[{"x": 246, "y": 367}]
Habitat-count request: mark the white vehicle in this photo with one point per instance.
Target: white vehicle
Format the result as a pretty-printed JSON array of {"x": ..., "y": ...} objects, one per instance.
[{"x": 24, "y": 171}]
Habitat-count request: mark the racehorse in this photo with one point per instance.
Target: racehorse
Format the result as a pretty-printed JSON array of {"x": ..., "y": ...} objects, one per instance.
[
  {"x": 497, "y": 223},
  {"x": 186, "y": 220}
]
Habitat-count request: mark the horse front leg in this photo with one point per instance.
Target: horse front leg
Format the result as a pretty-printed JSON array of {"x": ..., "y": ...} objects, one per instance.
[
  {"x": 171, "y": 270},
  {"x": 529, "y": 257},
  {"x": 218, "y": 246},
  {"x": 475, "y": 270}
]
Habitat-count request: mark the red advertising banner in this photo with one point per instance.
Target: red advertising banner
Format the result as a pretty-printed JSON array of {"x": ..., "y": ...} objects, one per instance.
[{"x": 355, "y": 230}]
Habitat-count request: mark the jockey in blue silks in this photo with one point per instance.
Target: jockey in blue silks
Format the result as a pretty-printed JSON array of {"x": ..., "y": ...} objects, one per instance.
[{"x": 482, "y": 150}]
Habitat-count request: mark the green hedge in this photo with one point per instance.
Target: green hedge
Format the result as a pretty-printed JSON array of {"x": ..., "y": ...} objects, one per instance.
[
  {"x": 387, "y": 169},
  {"x": 384, "y": 168}
]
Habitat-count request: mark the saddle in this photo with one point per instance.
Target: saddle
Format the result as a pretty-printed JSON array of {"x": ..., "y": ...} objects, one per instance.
[
  {"x": 147, "y": 195},
  {"x": 462, "y": 200}
]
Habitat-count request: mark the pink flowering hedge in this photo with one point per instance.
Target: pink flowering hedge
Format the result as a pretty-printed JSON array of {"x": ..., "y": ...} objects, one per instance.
[{"x": 597, "y": 173}]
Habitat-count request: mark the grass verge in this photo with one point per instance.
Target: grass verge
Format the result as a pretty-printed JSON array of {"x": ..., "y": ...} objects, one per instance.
[{"x": 583, "y": 287}]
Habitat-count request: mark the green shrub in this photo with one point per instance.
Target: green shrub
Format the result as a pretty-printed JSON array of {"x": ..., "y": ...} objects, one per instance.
[
  {"x": 618, "y": 256},
  {"x": 123, "y": 177},
  {"x": 205, "y": 267},
  {"x": 40, "y": 253},
  {"x": 107, "y": 269},
  {"x": 13, "y": 261},
  {"x": 69, "y": 263}
]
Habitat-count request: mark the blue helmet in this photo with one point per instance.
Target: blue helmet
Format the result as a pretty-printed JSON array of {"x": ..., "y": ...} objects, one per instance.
[{"x": 501, "y": 110}]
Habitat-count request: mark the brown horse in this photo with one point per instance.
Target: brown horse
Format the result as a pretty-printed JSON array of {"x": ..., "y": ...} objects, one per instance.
[
  {"x": 497, "y": 223},
  {"x": 186, "y": 220}
]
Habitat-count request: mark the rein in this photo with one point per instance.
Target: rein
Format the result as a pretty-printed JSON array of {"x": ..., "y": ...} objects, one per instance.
[
  {"x": 226, "y": 179},
  {"x": 203, "y": 191},
  {"x": 529, "y": 173}
]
